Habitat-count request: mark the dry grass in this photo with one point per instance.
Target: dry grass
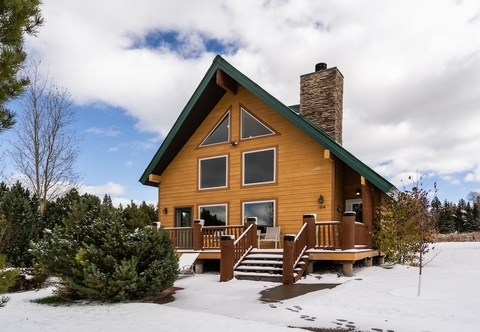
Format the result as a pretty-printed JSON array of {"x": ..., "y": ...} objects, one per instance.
[{"x": 460, "y": 237}]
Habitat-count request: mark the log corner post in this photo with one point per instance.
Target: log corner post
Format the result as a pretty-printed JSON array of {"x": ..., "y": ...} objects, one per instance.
[
  {"x": 197, "y": 234},
  {"x": 310, "y": 220},
  {"x": 253, "y": 239},
  {"x": 227, "y": 258},
  {"x": 288, "y": 259},
  {"x": 348, "y": 230}
]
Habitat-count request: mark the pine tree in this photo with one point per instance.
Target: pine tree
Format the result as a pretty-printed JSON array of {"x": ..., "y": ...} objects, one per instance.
[
  {"x": 100, "y": 258},
  {"x": 17, "y": 19},
  {"x": 107, "y": 201},
  {"x": 7, "y": 279},
  {"x": 21, "y": 222},
  {"x": 446, "y": 218}
]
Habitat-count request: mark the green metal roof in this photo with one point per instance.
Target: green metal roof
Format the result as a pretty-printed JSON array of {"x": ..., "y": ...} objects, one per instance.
[{"x": 207, "y": 95}]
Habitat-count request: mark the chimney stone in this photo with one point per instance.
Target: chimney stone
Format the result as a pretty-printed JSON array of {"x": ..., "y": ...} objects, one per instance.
[{"x": 321, "y": 99}]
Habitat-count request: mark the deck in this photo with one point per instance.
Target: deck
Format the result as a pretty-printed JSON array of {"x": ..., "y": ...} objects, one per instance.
[{"x": 237, "y": 246}]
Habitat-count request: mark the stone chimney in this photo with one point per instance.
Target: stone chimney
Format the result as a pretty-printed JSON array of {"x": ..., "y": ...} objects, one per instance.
[{"x": 321, "y": 99}]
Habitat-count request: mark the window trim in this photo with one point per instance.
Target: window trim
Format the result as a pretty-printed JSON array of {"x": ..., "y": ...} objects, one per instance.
[
  {"x": 200, "y": 206},
  {"x": 199, "y": 179},
  {"x": 244, "y": 109},
  {"x": 227, "y": 113},
  {"x": 274, "y": 201},
  {"x": 274, "y": 167}
]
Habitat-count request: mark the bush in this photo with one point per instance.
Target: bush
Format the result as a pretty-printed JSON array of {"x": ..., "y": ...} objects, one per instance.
[
  {"x": 7, "y": 279},
  {"x": 98, "y": 258},
  {"x": 404, "y": 227}
]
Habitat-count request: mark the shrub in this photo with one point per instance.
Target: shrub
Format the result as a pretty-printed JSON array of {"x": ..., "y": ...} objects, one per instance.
[
  {"x": 7, "y": 279},
  {"x": 98, "y": 258},
  {"x": 404, "y": 227}
]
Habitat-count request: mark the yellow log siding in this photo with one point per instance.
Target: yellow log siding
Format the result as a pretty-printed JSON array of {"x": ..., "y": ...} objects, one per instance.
[{"x": 302, "y": 172}]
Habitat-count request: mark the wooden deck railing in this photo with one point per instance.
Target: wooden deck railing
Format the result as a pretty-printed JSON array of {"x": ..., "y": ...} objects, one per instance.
[
  {"x": 212, "y": 234},
  {"x": 182, "y": 237},
  {"x": 361, "y": 235},
  {"x": 328, "y": 235}
]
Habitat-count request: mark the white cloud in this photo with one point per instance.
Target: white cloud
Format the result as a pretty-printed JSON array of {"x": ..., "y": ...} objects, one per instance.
[
  {"x": 110, "y": 188},
  {"x": 116, "y": 201},
  {"x": 412, "y": 89},
  {"x": 110, "y": 132}
]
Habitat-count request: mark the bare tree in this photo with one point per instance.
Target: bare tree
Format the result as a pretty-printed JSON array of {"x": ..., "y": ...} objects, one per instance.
[{"x": 45, "y": 145}]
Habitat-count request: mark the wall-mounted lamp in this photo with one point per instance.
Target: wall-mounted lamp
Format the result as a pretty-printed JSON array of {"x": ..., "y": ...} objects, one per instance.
[
  {"x": 165, "y": 210},
  {"x": 320, "y": 199},
  {"x": 234, "y": 143},
  {"x": 358, "y": 192},
  {"x": 338, "y": 209}
]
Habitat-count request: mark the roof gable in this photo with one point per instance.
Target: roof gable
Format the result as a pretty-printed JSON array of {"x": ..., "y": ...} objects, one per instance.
[{"x": 207, "y": 95}]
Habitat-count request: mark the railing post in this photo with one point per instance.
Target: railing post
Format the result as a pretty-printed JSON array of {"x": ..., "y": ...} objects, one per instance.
[
  {"x": 288, "y": 259},
  {"x": 198, "y": 234},
  {"x": 348, "y": 230},
  {"x": 310, "y": 219},
  {"x": 227, "y": 258},
  {"x": 253, "y": 239}
]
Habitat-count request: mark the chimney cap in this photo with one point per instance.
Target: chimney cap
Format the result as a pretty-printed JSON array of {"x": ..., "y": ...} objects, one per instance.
[{"x": 320, "y": 66}]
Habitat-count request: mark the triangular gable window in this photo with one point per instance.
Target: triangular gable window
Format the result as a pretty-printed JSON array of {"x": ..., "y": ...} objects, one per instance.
[
  {"x": 252, "y": 127},
  {"x": 220, "y": 134}
]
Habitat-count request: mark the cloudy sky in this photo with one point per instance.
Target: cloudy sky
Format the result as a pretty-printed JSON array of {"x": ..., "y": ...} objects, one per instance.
[{"x": 411, "y": 68}]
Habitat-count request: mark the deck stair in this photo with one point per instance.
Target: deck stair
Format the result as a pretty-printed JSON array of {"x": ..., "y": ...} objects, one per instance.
[{"x": 264, "y": 265}]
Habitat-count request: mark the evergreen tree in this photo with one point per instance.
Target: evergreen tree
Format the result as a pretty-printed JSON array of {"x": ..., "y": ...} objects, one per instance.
[
  {"x": 20, "y": 222},
  {"x": 100, "y": 258},
  {"x": 107, "y": 201},
  {"x": 17, "y": 19},
  {"x": 470, "y": 222},
  {"x": 445, "y": 220},
  {"x": 136, "y": 216},
  {"x": 7, "y": 279}
]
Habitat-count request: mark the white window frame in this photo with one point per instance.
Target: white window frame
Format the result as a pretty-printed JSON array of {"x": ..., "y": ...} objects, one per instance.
[
  {"x": 254, "y": 117},
  {"x": 200, "y": 172},
  {"x": 274, "y": 167},
  {"x": 244, "y": 217},
  {"x": 209, "y": 205},
  {"x": 215, "y": 128}
]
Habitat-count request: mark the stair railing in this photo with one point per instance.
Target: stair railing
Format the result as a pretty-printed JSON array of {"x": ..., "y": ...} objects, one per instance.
[
  {"x": 233, "y": 251},
  {"x": 294, "y": 247}
]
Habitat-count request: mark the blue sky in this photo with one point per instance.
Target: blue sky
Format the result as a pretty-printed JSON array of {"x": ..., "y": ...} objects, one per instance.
[{"x": 411, "y": 69}]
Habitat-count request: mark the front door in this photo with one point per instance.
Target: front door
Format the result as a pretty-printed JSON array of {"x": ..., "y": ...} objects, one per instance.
[{"x": 184, "y": 217}]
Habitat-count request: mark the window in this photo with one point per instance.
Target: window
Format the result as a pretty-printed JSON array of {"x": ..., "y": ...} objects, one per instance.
[
  {"x": 213, "y": 172},
  {"x": 259, "y": 167},
  {"x": 220, "y": 134},
  {"x": 214, "y": 215},
  {"x": 263, "y": 210},
  {"x": 252, "y": 127}
]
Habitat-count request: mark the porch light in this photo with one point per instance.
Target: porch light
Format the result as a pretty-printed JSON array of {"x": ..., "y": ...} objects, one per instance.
[
  {"x": 320, "y": 199},
  {"x": 358, "y": 192},
  {"x": 165, "y": 210}
]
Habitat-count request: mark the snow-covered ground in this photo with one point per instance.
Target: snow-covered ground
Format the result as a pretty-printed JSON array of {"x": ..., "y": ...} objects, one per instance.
[{"x": 374, "y": 299}]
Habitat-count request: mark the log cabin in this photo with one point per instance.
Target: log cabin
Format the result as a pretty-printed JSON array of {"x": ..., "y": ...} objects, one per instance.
[{"x": 238, "y": 162}]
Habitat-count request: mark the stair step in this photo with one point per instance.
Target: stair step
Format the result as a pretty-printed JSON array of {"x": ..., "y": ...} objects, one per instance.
[
  {"x": 261, "y": 262},
  {"x": 265, "y": 256},
  {"x": 259, "y": 268},
  {"x": 258, "y": 276}
]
